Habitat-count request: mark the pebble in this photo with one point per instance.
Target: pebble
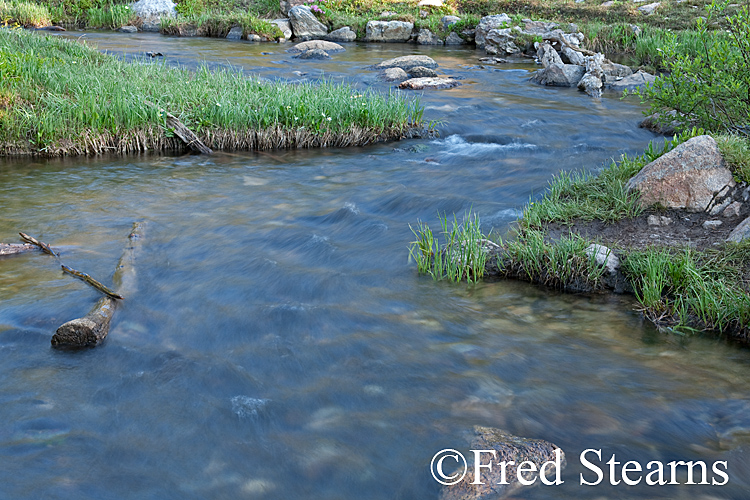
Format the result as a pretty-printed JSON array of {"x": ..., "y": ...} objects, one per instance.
[
  {"x": 659, "y": 220},
  {"x": 712, "y": 224}
]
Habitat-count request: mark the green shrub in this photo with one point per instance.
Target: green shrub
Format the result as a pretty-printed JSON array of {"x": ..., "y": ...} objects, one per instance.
[{"x": 709, "y": 87}]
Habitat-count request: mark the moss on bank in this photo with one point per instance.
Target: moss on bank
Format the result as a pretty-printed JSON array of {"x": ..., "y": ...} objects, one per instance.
[{"x": 61, "y": 97}]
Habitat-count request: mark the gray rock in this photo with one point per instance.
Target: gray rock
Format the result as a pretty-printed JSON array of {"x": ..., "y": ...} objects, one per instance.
[
  {"x": 286, "y": 5},
  {"x": 712, "y": 224},
  {"x": 741, "y": 232},
  {"x": 252, "y": 37},
  {"x": 537, "y": 27},
  {"x": 591, "y": 84},
  {"x": 608, "y": 3},
  {"x": 493, "y": 60},
  {"x": 686, "y": 177},
  {"x": 547, "y": 55},
  {"x": 313, "y": 54},
  {"x": 329, "y": 47},
  {"x": 659, "y": 220},
  {"x": 128, "y": 29},
  {"x": 305, "y": 25},
  {"x": 429, "y": 83},
  {"x": 388, "y": 31},
  {"x": 511, "y": 449},
  {"x": 489, "y": 23},
  {"x": 422, "y": 72},
  {"x": 235, "y": 33},
  {"x": 427, "y": 37},
  {"x": 649, "y": 9},
  {"x": 559, "y": 75},
  {"x": 285, "y": 25},
  {"x": 613, "y": 71},
  {"x": 604, "y": 256},
  {"x": 150, "y": 12},
  {"x": 394, "y": 75},
  {"x": 719, "y": 207},
  {"x": 733, "y": 210},
  {"x": 571, "y": 56},
  {"x": 344, "y": 35},
  {"x": 655, "y": 125},
  {"x": 408, "y": 62},
  {"x": 500, "y": 41},
  {"x": 454, "y": 39},
  {"x": 447, "y": 21},
  {"x": 637, "y": 80}
]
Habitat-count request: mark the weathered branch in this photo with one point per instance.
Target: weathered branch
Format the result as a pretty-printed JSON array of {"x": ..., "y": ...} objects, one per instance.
[
  {"x": 184, "y": 133},
  {"x": 45, "y": 247},
  {"x": 93, "y": 328},
  {"x": 91, "y": 281},
  {"x": 15, "y": 248}
]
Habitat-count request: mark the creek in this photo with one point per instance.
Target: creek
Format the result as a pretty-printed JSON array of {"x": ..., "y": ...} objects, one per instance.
[{"x": 282, "y": 345}]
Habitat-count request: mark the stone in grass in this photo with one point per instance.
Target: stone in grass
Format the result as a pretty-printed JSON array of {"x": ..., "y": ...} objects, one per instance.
[
  {"x": 305, "y": 25},
  {"x": 344, "y": 34},
  {"x": 313, "y": 54},
  {"x": 408, "y": 62},
  {"x": 649, "y": 9},
  {"x": 686, "y": 177},
  {"x": 604, "y": 256},
  {"x": 659, "y": 220},
  {"x": 388, "y": 31},
  {"x": 235, "y": 33},
  {"x": 329, "y": 47},
  {"x": 422, "y": 72},
  {"x": 429, "y": 83},
  {"x": 741, "y": 232}
]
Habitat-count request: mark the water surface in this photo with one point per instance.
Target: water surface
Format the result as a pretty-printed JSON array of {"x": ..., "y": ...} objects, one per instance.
[{"x": 281, "y": 345}]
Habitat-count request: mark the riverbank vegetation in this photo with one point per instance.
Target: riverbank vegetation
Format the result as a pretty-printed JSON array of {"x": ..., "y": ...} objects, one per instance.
[
  {"x": 678, "y": 288},
  {"x": 61, "y": 97}
]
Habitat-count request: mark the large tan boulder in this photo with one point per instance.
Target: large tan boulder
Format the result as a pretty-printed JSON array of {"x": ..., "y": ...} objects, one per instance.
[{"x": 687, "y": 177}]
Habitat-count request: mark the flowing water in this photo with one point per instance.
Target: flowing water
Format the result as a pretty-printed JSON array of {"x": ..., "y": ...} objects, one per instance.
[{"x": 281, "y": 345}]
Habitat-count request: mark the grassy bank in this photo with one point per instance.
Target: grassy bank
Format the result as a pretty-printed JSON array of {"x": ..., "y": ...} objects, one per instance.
[
  {"x": 680, "y": 289},
  {"x": 59, "y": 97}
]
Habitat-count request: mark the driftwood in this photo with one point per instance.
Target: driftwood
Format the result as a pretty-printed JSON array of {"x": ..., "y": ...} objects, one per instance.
[
  {"x": 91, "y": 281},
  {"x": 184, "y": 133},
  {"x": 93, "y": 328},
  {"x": 42, "y": 245},
  {"x": 15, "y": 248}
]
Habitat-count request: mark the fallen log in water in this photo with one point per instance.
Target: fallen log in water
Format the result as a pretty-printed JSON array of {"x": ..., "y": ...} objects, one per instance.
[
  {"x": 93, "y": 328},
  {"x": 15, "y": 248},
  {"x": 42, "y": 245}
]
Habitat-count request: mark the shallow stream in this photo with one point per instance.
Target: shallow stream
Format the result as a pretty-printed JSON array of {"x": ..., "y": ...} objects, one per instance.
[{"x": 281, "y": 344}]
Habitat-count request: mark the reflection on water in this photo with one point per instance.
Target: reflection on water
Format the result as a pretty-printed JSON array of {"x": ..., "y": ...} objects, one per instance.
[{"x": 281, "y": 344}]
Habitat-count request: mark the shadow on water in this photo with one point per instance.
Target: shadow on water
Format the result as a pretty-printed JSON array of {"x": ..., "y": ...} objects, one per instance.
[{"x": 281, "y": 345}]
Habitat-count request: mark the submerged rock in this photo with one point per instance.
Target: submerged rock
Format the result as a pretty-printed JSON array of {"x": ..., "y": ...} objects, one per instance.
[
  {"x": 454, "y": 39},
  {"x": 305, "y": 25},
  {"x": 313, "y": 54},
  {"x": 344, "y": 34},
  {"x": 559, "y": 75},
  {"x": 128, "y": 29},
  {"x": 687, "y": 177},
  {"x": 388, "y": 31},
  {"x": 429, "y": 83},
  {"x": 235, "y": 33},
  {"x": 408, "y": 62},
  {"x": 548, "y": 458},
  {"x": 326, "y": 46},
  {"x": 422, "y": 72}
]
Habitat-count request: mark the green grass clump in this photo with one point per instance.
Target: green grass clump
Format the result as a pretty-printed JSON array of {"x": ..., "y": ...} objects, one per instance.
[
  {"x": 736, "y": 152},
  {"x": 688, "y": 290},
  {"x": 218, "y": 25},
  {"x": 462, "y": 255},
  {"x": 110, "y": 16},
  {"x": 596, "y": 196},
  {"x": 68, "y": 98},
  {"x": 562, "y": 264},
  {"x": 24, "y": 14}
]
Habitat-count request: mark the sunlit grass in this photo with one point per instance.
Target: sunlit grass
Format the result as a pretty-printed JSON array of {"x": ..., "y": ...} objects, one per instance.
[{"x": 64, "y": 92}]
